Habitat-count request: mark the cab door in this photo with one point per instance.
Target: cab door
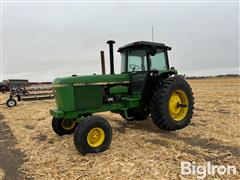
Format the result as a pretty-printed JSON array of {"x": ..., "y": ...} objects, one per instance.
[{"x": 137, "y": 67}]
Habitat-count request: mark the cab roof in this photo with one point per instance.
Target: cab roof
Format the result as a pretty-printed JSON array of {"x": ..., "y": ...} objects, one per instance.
[{"x": 140, "y": 44}]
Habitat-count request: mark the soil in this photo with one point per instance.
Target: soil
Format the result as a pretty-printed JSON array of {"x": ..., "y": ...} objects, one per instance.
[
  {"x": 139, "y": 149},
  {"x": 11, "y": 158}
]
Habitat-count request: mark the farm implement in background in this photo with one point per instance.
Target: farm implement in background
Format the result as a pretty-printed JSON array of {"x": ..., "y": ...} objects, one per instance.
[{"x": 22, "y": 90}]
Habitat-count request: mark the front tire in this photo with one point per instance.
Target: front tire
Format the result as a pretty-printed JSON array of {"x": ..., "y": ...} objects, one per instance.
[
  {"x": 172, "y": 104},
  {"x": 63, "y": 126},
  {"x": 93, "y": 135}
]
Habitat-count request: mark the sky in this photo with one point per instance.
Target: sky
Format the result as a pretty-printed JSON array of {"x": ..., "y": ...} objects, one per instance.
[{"x": 42, "y": 41}]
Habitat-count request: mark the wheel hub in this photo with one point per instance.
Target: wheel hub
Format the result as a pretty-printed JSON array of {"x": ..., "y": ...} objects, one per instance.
[
  {"x": 11, "y": 103},
  {"x": 95, "y": 137},
  {"x": 178, "y": 105},
  {"x": 68, "y": 124}
]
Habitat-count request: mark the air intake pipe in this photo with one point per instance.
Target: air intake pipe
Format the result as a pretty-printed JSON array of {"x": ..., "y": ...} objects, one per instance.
[
  {"x": 111, "y": 42},
  {"x": 103, "y": 62}
]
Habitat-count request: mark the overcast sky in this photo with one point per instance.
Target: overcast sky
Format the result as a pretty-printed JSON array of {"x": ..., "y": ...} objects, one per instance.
[{"x": 42, "y": 41}]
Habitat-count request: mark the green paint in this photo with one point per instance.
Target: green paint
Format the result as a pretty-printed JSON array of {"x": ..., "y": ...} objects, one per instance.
[
  {"x": 65, "y": 98},
  {"x": 125, "y": 104},
  {"x": 91, "y": 79},
  {"x": 119, "y": 90},
  {"x": 88, "y": 97},
  {"x": 78, "y": 95}
]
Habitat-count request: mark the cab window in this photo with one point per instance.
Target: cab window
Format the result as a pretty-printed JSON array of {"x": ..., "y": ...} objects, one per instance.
[
  {"x": 123, "y": 62},
  {"x": 137, "y": 60},
  {"x": 158, "y": 61}
]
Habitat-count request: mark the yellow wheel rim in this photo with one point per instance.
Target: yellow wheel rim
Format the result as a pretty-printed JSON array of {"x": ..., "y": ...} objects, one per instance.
[
  {"x": 178, "y": 105},
  {"x": 95, "y": 137},
  {"x": 68, "y": 124}
]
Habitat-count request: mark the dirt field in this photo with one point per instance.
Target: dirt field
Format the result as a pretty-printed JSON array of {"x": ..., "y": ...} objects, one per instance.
[
  {"x": 138, "y": 150},
  {"x": 1, "y": 174}
]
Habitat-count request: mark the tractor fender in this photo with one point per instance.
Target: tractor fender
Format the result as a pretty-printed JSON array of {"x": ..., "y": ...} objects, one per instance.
[{"x": 167, "y": 73}]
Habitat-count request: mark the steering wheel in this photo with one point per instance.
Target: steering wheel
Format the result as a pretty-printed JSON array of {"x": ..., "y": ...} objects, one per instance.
[{"x": 134, "y": 67}]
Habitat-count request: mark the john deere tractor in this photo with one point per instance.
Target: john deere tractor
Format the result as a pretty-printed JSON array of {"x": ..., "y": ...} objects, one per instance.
[{"x": 146, "y": 87}]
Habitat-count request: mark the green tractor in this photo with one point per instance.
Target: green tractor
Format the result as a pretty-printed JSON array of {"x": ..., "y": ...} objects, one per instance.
[{"x": 147, "y": 86}]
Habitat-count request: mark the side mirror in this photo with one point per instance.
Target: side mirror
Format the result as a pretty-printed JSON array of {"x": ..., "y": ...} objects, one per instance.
[{"x": 172, "y": 68}]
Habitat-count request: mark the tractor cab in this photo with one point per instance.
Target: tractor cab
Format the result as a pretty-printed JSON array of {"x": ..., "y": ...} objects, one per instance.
[
  {"x": 144, "y": 56},
  {"x": 144, "y": 62}
]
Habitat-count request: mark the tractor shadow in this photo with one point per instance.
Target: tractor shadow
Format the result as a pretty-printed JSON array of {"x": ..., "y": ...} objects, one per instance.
[
  {"x": 11, "y": 158},
  {"x": 169, "y": 139},
  {"x": 145, "y": 125}
]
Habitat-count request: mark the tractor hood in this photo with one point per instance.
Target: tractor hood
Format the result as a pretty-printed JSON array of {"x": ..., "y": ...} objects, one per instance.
[{"x": 91, "y": 80}]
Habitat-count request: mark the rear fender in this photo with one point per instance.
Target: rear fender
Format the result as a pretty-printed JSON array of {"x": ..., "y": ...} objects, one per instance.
[{"x": 167, "y": 73}]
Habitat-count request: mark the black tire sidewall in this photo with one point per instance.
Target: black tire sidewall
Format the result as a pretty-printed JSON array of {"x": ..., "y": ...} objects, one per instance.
[
  {"x": 58, "y": 129},
  {"x": 159, "y": 108},
  {"x": 81, "y": 133},
  {"x": 11, "y": 100},
  {"x": 187, "y": 91}
]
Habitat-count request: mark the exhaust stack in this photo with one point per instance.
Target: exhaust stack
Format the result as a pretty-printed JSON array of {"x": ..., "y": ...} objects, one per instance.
[
  {"x": 111, "y": 42},
  {"x": 103, "y": 62}
]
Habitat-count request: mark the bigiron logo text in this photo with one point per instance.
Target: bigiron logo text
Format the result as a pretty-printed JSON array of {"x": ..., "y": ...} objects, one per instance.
[{"x": 201, "y": 171}]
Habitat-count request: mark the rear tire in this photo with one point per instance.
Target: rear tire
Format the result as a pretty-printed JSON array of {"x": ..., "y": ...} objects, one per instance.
[
  {"x": 172, "y": 104},
  {"x": 93, "y": 135},
  {"x": 63, "y": 126}
]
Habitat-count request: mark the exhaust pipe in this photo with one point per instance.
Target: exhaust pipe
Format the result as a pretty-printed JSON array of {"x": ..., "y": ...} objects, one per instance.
[
  {"x": 111, "y": 42},
  {"x": 103, "y": 62}
]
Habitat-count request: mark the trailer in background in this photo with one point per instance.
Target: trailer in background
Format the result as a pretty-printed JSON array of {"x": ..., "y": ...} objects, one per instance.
[{"x": 23, "y": 90}]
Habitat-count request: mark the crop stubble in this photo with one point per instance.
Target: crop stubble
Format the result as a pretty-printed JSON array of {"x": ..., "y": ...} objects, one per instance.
[{"x": 139, "y": 149}]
